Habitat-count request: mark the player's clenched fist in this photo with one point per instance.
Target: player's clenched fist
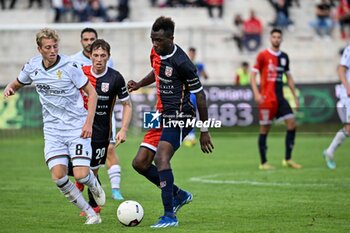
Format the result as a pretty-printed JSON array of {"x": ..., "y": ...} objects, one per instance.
[{"x": 133, "y": 86}]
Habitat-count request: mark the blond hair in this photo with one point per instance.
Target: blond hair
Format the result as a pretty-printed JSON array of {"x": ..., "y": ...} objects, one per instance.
[{"x": 46, "y": 33}]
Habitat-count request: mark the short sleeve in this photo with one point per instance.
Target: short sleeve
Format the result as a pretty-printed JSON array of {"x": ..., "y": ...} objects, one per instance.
[
  {"x": 122, "y": 90},
  {"x": 24, "y": 76},
  {"x": 345, "y": 58},
  {"x": 287, "y": 69},
  {"x": 77, "y": 75},
  {"x": 188, "y": 74},
  {"x": 259, "y": 63}
]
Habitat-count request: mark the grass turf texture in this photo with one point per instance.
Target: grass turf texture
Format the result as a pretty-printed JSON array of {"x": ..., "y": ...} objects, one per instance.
[{"x": 230, "y": 193}]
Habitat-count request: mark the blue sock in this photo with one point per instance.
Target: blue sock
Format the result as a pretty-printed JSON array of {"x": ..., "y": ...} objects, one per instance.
[
  {"x": 152, "y": 175},
  {"x": 290, "y": 137},
  {"x": 262, "y": 147},
  {"x": 166, "y": 178}
]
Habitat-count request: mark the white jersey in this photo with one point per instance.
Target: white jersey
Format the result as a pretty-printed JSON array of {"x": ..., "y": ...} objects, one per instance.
[
  {"x": 58, "y": 89},
  {"x": 85, "y": 61},
  {"x": 345, "y": 61}
]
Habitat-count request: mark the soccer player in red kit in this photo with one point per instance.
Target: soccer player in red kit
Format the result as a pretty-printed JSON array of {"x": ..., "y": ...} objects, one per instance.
[{"x": 272, "y": 64}]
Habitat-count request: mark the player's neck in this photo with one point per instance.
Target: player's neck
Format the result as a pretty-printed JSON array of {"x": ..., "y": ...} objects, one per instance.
[
  {"x": 275, "y": 49},
  {"x": 98, "y": 73},
  {"x": 48, "y": 64},
  {"x": 86, "y": 54}
]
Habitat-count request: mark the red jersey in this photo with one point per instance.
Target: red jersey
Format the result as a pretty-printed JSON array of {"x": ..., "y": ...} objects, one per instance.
[{"x": 271, "y": 66}]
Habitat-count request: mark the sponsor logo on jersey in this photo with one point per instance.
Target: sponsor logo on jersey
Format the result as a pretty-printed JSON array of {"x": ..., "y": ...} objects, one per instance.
[
  {"x": 168, "y": 71},
  {"x": 104, "y": 87},
  {"x": 46, "y": 90}
]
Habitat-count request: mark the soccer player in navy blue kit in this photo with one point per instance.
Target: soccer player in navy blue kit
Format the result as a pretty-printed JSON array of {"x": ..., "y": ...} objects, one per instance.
[{"x": 175, "y": 77}]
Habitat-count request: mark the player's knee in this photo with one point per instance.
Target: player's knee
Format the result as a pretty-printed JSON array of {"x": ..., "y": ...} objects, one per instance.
[
  {"x": 81, "y": 173},
  {"x": 139, "y": 166},
  {"x": 58, "y": 172},
  {"x": 347, "y": 130},
  {"x": 162, "y": 162}
]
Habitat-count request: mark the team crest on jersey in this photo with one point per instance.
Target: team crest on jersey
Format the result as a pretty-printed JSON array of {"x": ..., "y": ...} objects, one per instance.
[
  {"x": 168, "y": 71},
  {"x": 283, "y": 61},
  {"x": 59, "y": 74},
  {"x": 104, "y": 87}
]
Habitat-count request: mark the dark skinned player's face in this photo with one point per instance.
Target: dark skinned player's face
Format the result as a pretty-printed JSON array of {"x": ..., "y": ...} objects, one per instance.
[{"x": 162, "y": 43}]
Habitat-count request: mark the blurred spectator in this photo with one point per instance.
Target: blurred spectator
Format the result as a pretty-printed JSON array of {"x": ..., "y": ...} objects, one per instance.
[
  {"x": 282, "y": 19},
  {"x": 237, "y": 35},
  {"x": 219, "y": 4},
  {"x": 242, "y": 75},
  {"x": 96, "y": 11},
  {"x": 323, "y": 24},
  {"x": 3, "y": 4},
  {"x": 292, "y": 2},
  {"x": 80, "y": 10},
  {"x": 344, "y": 18},
  {"x": 57, "y": 5},
  {"x": 39, "y": 2},
  {"x": 153, "y": 3},
  {"x": 252, "y": 29},
  {"x": 123, "y": 10}
]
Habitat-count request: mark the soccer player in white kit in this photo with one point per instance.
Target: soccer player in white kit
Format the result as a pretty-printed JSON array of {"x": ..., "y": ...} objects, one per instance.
[
  {"x": 344, "y": 76},
  {"x": 87, "y": 37},
  {"x": 67, "y": 124}
]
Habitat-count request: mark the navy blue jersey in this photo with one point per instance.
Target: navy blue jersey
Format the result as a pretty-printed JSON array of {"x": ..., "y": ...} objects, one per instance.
[
  {"x": 108, "y": 85},
  {"x": 176, "y": 76}
]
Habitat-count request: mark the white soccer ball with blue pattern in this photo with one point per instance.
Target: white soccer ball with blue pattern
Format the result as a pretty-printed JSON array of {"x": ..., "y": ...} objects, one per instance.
[{"x": 130, "y": 213}]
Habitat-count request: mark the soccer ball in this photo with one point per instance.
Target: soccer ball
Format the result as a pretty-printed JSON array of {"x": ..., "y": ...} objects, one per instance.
[{"x": 130, "y": 213}]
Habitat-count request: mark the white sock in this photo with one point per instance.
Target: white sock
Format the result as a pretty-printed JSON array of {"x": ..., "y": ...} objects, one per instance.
[
  {"x": 114, "y": 176},
  {"x": 337, "y": 141},
  {"x": 90, "y": 180},
  {"x": 73, "y": 194}
]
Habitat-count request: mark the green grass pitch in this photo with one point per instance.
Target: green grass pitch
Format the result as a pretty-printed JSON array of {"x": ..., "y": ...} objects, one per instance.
[{"x": 230, "y": 193}]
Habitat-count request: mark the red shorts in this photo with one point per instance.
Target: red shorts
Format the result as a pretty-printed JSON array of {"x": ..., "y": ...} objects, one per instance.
[
  {"x": 151, "y": 139},
  {"x": 273, "y": 109}
]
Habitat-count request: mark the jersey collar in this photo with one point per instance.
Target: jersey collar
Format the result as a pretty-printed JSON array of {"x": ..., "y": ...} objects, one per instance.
[
  {"x": 98, "y": 75},
  {"x": 54, "y": 64},
  {"x": 169, "y": 55},
  {"x": 273, "y": 52}
]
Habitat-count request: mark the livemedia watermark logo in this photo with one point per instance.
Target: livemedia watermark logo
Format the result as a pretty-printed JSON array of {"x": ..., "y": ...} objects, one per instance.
[{"x": 155, "y": 120}]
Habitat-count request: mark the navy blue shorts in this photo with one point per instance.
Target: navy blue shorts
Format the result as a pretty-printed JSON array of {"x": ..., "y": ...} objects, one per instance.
[{"x": 174, "y": 136}]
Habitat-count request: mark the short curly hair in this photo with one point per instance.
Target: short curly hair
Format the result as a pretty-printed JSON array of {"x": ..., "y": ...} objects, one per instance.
[{"x": 165, "y": 23}]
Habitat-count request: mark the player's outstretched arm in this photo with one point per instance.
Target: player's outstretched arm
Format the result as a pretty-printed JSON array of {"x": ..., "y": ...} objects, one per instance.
[
  {"x": 11, "y": 88},
  {"x": 92, "y": 102},
  {"x": 205, "y": 140},
  {"x": 126, "y": 118},
  {"x": 149, "y": 79}
]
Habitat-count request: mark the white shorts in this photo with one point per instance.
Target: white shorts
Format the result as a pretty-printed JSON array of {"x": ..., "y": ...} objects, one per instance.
[
  {"x": 114, "y": 129},
  {"x": 344, "y": 110},
  {"x": 61, "y": 147}
]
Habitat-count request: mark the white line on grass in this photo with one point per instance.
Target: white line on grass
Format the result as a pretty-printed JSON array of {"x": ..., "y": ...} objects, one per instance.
[{"x": 210, "y": 180}]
